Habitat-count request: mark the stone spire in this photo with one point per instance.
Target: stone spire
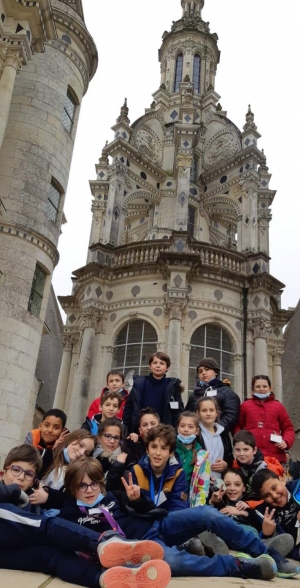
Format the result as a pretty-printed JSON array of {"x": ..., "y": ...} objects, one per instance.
[
  {"x": 124, "y": 113},
  {"x": 192, "y": 7},
  {"x": 250, "y": 124}
]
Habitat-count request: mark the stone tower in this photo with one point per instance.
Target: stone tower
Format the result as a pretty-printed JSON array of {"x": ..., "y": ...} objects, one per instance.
[
  {"x": 47, "y": 44},
  {"x": 178, "y": 258}
]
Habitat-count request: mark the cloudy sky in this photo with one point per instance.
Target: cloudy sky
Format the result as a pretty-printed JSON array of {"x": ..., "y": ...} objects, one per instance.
[{"x": 260, "y": 47}]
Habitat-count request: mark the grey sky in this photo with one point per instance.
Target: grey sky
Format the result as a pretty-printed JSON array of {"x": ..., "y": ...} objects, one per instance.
[{"x": 260, "y": 46}]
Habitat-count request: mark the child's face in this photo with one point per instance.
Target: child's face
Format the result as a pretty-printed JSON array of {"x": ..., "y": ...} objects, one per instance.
[
  {"x": 274, "y": 493},
  {"x": 159, "y": 454},
  {"x": 158, "y": 368},
  {"x": 88, "y": 490},
  {"x": 114, "y": 383},
  {"x": 110, "y": 438},
  {"x": 234, "y": 486},
  {"x": 187, "y": 427},
  {"x": 80, "y": 448},
  {"x": 110, "y": 408},
  {"x": 205, "y": 374},
  {"x": 51, "y": 428},
  {"x": 261, "y": 386},
  {"x": 207, "y": 413},
  {"x": 244, "y": 453},
  {"x": 148, "y": 421},
  {"x": 21, "y": 473}
]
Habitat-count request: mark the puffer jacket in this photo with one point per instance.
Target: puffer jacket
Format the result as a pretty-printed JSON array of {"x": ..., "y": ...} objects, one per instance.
[
  {"x": 264, "y": 418},
  {"x": 95, "y": 407},
  {"x": 228, "y": 401}
]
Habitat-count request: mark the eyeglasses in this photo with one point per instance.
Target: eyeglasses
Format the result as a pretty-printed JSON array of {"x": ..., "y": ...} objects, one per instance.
[
  {"x": 17, "y": 471},
  {"x": 93, "y": 486},
  {"x": 109, "y": 437}
]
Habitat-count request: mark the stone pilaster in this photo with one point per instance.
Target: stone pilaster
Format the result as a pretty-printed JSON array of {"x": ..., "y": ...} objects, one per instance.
[
  {"x": 261, "y": 330},
  {"x": 114, "y": 218},
  {"x": 10, "y": 64},
  {"x": 249, "y": 228},
  {"x": 175, "y": 310},
  {"x": 63, "y": 378},
  {"x": 184, "y": 163},
  {"x": 278, "y": 352}
]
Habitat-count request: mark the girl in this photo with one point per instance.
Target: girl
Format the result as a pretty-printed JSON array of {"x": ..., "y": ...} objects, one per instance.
[
  {"x": 267, "y": 419},
  {"x": 112, "y": 453},
  {"x": 77, "y": 444},
  {"x": 193, "y": 458},
  {"x": 213, "y": 437}
]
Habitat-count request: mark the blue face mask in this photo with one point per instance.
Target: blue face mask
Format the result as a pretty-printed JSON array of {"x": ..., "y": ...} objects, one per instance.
[
  {"x": 66, "y": 455},
  {"x": 186, "y": 440},
  {"x": 89, "y": 505},
  {"x": 261, "y": 396}
]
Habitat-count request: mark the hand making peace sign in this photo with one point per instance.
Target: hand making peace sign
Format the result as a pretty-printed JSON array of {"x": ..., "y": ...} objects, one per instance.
[{"x": 133, "y": 491}]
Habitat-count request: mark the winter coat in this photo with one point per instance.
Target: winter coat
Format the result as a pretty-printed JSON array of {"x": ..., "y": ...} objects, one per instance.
[
  {"x": 95, "y": 407},
  {"x": 186, "y": 457},
  {"x": 134, "y": 403},
  {"x": 264, "y": 418},
  {"x": 286, "y": 516},
  {"x": 228, "y": 401},
  {"x": 259, "y": 463},
  {"x": 45, "y": 451}
]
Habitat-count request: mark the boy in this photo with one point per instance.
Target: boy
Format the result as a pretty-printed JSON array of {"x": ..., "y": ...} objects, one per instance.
[
  {"x": 157, "y": 391},
  {"x": 38, "y": 544},
  {"x": 114, "y": 383},
  {"x": 284, "y": 499},
  {"x": 148, "y": 419},
  {"x": 49, "y": 435},
  {"x": 110, "y": 403}
]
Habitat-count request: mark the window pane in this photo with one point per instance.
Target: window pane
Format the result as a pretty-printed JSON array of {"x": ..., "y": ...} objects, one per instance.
[
  {"x": 121, "y": 338},
  {"x": 196, "y": 73},
  {"x": 149, "y": 333},
  {"x": 198, "y": 336},
  {"x": 37, "y": 291},
  {"x": 191, "y": 221},
  {"x": 135, "y": 331},
  {"x": 38, "y": 282},
  {"x": 226, "y": 343},
  {"x": 68, "y": 115},
  {"x": 178, "y": 72},
  {"x": 133, "y": 352},
  {"x": 54, "y": 196},
  {"x": 51, "y": 211},
  {"x": 213, "y": 336},
  {"x": 66, "y": 121}
]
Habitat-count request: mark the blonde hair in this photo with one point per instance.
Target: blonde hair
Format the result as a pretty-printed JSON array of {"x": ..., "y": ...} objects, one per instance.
[{"x": 58, "y": 453}]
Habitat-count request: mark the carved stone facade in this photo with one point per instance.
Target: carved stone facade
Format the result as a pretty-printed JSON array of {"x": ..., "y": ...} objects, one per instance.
[
  {"x": 178, "y": 256},
  {"x": 47, "y": 59}
]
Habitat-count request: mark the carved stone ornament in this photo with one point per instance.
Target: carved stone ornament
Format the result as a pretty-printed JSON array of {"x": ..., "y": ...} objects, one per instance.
[
  {"x": 11, "y": 59},
  {"x": 176, "y": 309},
  {"x": 67, "y": 342},
  {"x": 220, "y": 147},
  {"x": 90, "y": 317},
  {"x": 148, "y": 145},
  {"x": 261, "y": 328}
]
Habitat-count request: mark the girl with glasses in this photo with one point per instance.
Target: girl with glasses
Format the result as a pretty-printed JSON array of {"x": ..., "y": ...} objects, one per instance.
[{"x": 113, "y": 453}]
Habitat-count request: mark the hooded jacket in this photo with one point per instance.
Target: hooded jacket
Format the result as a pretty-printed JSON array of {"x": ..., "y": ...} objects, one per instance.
[
  {"x": 228, "y": 401},
  {"x": 264, "y": 418},
  {"x": 286, "y": 516},
  {"x": 95, "y": 407},
  {"x": 228, "y": 456},
  {"x": 259, "y": 463}
]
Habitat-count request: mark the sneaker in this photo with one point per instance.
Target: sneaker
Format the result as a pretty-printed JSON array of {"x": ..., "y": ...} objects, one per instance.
[
  {"x": 258, "y": 568},
  {"x": 193, "y": 546},
  {"x": 152, "y": 574},
  {"x": 286, "y": 568},
  {"x": 213, "y": 544},
  {"x": 116, "y": 552},
  {"x": 282, "y": 543}
]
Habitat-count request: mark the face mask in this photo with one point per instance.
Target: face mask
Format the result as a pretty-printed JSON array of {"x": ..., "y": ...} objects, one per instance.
[
  {"x": 261, "y": 396},
  {"x": 90, "y": 505},
  {"x": 186, "y": 440},
  {"x": 66, "y": 455}
]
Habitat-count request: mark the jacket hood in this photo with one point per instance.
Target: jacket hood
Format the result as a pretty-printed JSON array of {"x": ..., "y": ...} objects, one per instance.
[{"x": 169, "y": 471}]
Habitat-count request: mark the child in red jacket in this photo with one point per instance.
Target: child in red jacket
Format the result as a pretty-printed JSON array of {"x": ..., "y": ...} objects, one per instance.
[{"x": 114, "y": 383}]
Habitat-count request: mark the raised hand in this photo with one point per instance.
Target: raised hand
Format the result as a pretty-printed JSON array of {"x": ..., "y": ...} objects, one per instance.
[
  {"x": 268, "y": 524},
  {"x": 133, "y": 491}
]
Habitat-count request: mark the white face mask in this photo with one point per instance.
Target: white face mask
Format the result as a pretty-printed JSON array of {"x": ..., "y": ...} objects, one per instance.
[{"x": 261, "y": 396}]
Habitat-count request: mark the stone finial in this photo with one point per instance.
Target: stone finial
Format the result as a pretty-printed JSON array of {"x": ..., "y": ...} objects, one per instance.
[
  {"x": 152, "y": 105},
  {"x": 250, "y": 124},
  {"x": 219, "y": 107},
  {"x": 187, "y": 78},
  {"x": 103, "y": 160},
  {"x": 124, "y": 113},
  {"x": 263, "y": 166}
]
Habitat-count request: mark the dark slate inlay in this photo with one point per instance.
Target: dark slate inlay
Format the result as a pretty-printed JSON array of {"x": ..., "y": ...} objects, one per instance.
[
  {"x": 157, "y": 312},
  {"x": 113, "y": 317},
  {"x": 88, "y": 291},
  {"x": 264, "y": 183},
  {"x": 143, "y": 175},
  {"x": 165, "y": 288},
  {"x": 223, "y": 179},
  {"x": 238, "y": 325},
  {"x": 72, "y": 319},
  {"x": 174, "y": 114},
  {"x": 266, "y": 302},
  {"x": 178, "y": 281},
  {"x": 256, "y": 301},
  {"x": 98, "y": 292},
  {"x": 101, "y": 175},
  {"x": 190, "y": 289},
  {"x": 247, "y": 142},
  {"x": 218, "y": 294},
  {"x": 255, "y": 268},
  {"x": 109, "y": 295},
  {"x": 169, "y": 184},
  {"x": 179, "y": 245},
  {"x": 277, "y": 332},
  {"x": 187, "y": 118},
  {"x": 135, "y": 290},
  {"x": 193, "y": 192},
  {"x": 186, "y": 144},
  {"x": 192, "y": 315}
]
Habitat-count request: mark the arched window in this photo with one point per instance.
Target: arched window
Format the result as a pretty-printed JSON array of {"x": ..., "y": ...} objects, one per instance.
[
  {"x": 196, "y": 73},
  {"x": 211, "y": 341},
  {"x": 133, "y": 347},
  {"x": 191, "y": 221},
  {"x": 178, "y": 72}
]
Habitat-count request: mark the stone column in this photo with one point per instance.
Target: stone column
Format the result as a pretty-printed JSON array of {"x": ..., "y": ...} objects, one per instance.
[
  {"x": 238, "y": 382},
  {"x": 175, "y": 309},
  {"x": 98, "y": 211},
  {"x": 78, "y": 407},
  {"x": 261, "y": 329},
  {"x": 63, "y": 378},
  {"x": 10, "y": 64},
  {"x": 250, "y": 362},
  {"x": 277, "y": 374},
  {"x": 184, "y": 163},
  {"x": 72, "y": 375},
  {"x": 249, "y": 238}
]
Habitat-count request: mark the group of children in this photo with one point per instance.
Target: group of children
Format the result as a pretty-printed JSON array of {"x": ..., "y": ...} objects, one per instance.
[{"x": 152, "y": 487}]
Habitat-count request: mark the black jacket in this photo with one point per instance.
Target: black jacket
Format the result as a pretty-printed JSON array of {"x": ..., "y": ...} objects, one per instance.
[
  {"x": 228, "y": 455},
  {"x": 134, "y": 404},
  {"x": 228, "y": 401}
]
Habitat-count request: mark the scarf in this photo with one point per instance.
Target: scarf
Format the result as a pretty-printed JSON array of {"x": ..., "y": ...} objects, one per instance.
[
  {"x": 110, "y": 455},
  {"x": 214, "y": 445}
]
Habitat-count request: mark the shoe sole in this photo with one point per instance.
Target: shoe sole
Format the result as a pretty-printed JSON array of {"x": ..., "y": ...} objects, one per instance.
[
  {"x": 282, "y": 543},
  {"x": 288, "y": 574},
  {"x": 217, "y": 545},
  {"x": 267, "y": 565},
  {"x": 120, "y": 553},
  {"x": 152, "y": 574}
]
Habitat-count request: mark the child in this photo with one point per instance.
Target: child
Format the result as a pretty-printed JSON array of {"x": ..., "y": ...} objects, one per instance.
[
  {"x": 156, "y": 390},
  {"x": 49, "y": 435},
  {"x": 114, "y": 383},
  {"x": 210, "y": 385},
  {"x": 110, "y": 406},
  {"x": 284, "y": 500},
  {"x": 112, "y": 453},
  {"x": 267, "y": 419},
  {"x": 148, "y": 419},
  {"x": 36, "y": 544},
  {"x": 214, "y": 437},
  {"x": 250, "y": 459}
]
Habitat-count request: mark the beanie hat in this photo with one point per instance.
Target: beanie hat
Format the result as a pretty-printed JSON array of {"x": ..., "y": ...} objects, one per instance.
[{"x": 210, "y": 363}]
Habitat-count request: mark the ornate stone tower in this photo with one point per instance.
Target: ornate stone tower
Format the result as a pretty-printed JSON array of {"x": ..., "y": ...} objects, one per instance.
[
  {"x": 47, "y": 44},
  {"x": 179, "y": 248}
]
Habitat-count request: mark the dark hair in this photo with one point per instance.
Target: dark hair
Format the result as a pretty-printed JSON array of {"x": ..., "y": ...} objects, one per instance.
[
  {"x": 195, "y": 417},
  {"x": 26, "y": 453},
  {"x": 56, "y": 412},
  {"x": 116, "y": 373},
  {"x": 111, "y": 395},
  {"x": 148, "y": 410},
  {"x": 211, "y": 399},
  {"x": 260, "y": 478},
  {"x": 162, "y": 356},
  {"x": 76, "y": 471},
  {"x": 237, "y": 472},
  {"x": 111, "y": 422},
  {"x": 58, "y": 452},
  {"x": 165, "y": 432},
  {"x": 244, "y": 437},
  {"x": 260, "y": 378}
]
